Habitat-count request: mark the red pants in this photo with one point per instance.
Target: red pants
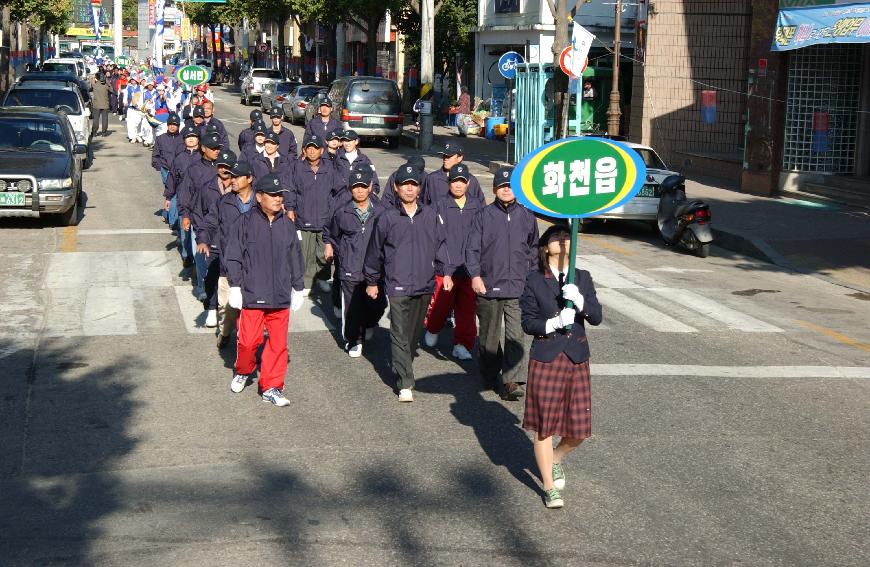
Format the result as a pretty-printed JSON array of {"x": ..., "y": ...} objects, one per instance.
[
  {"x": 273, "y": 363},
  {"x": 462, "y": 300}
]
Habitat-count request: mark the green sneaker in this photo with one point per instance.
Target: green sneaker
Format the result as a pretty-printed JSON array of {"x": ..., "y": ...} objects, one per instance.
[
  {"x": 558, "y": 476},
  {"x": 553, "y": 499}
]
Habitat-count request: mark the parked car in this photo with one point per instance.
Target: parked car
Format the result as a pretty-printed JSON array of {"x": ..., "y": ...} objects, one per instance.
[
  {"x": 69, "y": 65},
  {"x": 294, "y": 108},
  {"x": 255, "y": 79},
  {"x": 314, "y": 104},
  {"x": 371, "y": 106},
  {"x": 274, "y": 94},
  {"x": 40, "y": 165},
  {"x": 644, "y": 206},
  {"x": 64, "y": 78},
  {"x": 58, "y": 96}
]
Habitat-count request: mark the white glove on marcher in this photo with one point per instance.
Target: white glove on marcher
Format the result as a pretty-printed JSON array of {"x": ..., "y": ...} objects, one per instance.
[
  {"x": 572, "y": 293},
  {"x": 297, "y": 298},
  {"x": 235, "y": 298},
  {"x": 560, "y": 321}
]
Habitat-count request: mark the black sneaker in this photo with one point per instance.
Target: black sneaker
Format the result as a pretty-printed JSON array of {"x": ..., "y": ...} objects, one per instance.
[{"x": 512, "y": 392}]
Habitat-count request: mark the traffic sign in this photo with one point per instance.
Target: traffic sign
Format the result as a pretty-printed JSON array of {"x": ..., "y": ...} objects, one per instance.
[
  {"x": 566, "y": 62},
  {"x": 192, "y": 75},
  {"x": 262, "y": 48},
  {"x": 507, "y": 64}
]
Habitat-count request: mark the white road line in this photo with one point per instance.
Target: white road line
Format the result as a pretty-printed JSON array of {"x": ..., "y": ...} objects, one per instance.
[
  {"x": 847, "y": 372},
  {"x": 121, "y": 231},
  {"x": 109, "y": 311},
  {"x": 191, "y": 310},
  {"x": 637, "y": 311},
  {"x": 114, "y": 269},
  {"x": 612, "y": 274},
  {"x": 709, "y": 308}
]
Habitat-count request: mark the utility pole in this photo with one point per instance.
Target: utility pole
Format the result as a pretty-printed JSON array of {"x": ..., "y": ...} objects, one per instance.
[
  {"x": 427, "y": 66},
  {"x": 118, "y": 28},
  {"x": 613, "y": 112}
]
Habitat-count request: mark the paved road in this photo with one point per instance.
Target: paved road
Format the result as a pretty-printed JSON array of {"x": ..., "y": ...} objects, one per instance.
[{"x": 730, "y": 401}]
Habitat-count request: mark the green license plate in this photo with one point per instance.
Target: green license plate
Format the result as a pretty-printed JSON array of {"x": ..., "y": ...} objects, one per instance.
[
  {"x": 11, "y": 199},
  {"x": 647, "y": 191}
]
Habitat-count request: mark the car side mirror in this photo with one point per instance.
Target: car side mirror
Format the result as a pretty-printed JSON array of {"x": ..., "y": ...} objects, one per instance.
[{"x": 80, "y": 149}]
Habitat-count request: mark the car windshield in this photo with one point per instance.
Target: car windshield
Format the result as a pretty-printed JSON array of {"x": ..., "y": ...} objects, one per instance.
[
  {"x": 282, "y": 88},
  {"x": 307, "y": 91},
  {"x": 374, "y": 97},
  {"x": 48, "y": 98},
  {"x": 650, "y": 158},
  {"x": 60, "y": 67},
  {"x": 266, "y": 74},
  {"x": 31, "y": 134}
]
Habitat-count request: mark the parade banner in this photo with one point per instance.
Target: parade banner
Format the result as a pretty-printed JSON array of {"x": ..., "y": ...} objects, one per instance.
[
  {"x": 192, "y": 75},
  {"x": 96, "y": 16},
  {"x": 800, "y": 27}
]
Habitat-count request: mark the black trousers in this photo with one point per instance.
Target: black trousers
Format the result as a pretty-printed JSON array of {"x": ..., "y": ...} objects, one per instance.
[
  {"x": 360, "y": 312},
  {"x": 406, "y": 330},
  {"x": 100, "y": 115},
  {"x": 508, "y": 359},
  {"x": 211, "y": 281}
]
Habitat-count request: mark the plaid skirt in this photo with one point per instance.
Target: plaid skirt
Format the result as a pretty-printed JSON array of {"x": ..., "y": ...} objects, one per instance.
[{"x": 559, "y": 398}]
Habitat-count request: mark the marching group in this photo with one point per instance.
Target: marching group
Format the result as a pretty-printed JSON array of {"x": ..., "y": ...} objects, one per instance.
[{"x": 268, "y": 226}]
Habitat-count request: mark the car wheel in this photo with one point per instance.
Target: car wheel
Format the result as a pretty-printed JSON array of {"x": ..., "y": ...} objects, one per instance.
[
  {"x": 393, "y": 142},
  {"x": 71, "y": 216}
]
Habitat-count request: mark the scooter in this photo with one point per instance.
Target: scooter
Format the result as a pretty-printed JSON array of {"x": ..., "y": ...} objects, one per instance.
[{"x": 682, "y": 221}]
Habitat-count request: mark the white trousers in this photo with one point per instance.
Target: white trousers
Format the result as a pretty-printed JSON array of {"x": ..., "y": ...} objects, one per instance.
[{"x": 134, "y": 118}]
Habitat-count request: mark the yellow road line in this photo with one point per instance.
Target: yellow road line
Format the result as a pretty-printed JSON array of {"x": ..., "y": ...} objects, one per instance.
[
  {"x": 70, "y": 239},
  {"x": 606, "y": 245},
  {"x": 830, "y": 333}
]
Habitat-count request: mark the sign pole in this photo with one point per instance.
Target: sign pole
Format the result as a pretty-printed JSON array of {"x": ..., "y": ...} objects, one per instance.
[{"x": 572, "y": 261}]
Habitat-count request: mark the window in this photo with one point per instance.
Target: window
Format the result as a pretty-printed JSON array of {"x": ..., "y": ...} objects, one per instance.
[
  {"x": 60, "y": 68},
  {"x": 267, "y": 74},
  {"x": 650, "y": 158},
  {"x": 48, "y": 98},
  {"x": 31, "y": 134},
  {"x": 374, "y": 97}
]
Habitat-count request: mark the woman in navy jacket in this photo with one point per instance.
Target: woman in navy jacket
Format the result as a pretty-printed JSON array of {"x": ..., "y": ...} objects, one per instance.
[{"x": 558, "y": 395}]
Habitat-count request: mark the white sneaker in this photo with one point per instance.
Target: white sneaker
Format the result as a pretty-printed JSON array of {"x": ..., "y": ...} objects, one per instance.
[
  {"x": 276, "y": 397},
  {"x": 324, "y": 286},
  {"x": 355, "y": 351},
  {"x": 430, "y": 339},
  {"x": 211, "y": 318},
  {"x": 460, "y": 352},
  {"x": 239, "y": 382},
  {"x": 370, "y": 332},
  {"x": 133, "y": 141},
  {"x": 337, "y": 312},
  {"x": 406, "y": 395}
]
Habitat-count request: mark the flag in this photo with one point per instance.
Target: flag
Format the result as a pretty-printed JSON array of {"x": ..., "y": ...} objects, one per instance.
[{"x": 581, "y": 41}]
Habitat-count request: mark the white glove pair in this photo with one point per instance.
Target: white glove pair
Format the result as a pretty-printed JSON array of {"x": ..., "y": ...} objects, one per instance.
[
  {"x": 572, "y": 293},
  {"x": 235, "y": 299},
  {"x": 297, "y": 298},
  {"x": 560, "y": 321}
]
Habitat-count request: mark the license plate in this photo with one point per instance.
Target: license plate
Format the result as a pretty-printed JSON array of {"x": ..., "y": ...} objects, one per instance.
[
  {"x": 648, "y": 191},
  {"x": 372, "y": 120},
  {"x": 11, "y": 199}
]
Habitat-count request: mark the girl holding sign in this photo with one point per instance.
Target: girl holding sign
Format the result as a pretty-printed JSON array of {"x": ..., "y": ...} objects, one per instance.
[{"x": 558, "y": 394}]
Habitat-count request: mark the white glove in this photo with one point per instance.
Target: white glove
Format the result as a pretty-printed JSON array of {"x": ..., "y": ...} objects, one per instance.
[
  {"x": 560, "y": 321},
  {"x": 235, "y": 298},
  {"x": 297, "y": 298},
  {"x": 572, "y": 293}
]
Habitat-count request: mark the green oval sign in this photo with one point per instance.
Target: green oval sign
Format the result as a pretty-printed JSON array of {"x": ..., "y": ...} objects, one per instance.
[
  {"x": 578, "y": 177},
  {"x": 192, "y": 75},
  {"x": 122, "y": 61}
]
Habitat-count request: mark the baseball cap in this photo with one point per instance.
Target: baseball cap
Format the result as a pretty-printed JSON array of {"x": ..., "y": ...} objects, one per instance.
[
  {"x": 335, "y": 134},
  {"x": 226, "y": 157},
  {"x": 276, "y": 112},
  {"x": 272, "y": 137},
  {"x": 314, "y": 140},
  {"x": 256, "y": 115},
  {"x": 458, "y": 171},
  {"x": 407, "y": 173},
  {"x": 173, "y": 119},
  {"x": 259, "y": 128},
  {"x": 418, "y": 162},
  {"x": 362, "y": 176},
  {"x": 269, "y": 184},
  {"x": 241, "y": 169},
  {"x": 325, "y": 102},
  {"x": 451, "y": 149},
  {"x": 212, "y": 141},
  {"x": 198, "y": 111},
  {"x": 349, "y": 135},
  {"x": 189, "y": 132},
  {"x": 502, "y": 176}
]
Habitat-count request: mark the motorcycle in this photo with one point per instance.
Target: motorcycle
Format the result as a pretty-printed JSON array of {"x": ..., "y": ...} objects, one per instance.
[{"x": 683, "y": 221}]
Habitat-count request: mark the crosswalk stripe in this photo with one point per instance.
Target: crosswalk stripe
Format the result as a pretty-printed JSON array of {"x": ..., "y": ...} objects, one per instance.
[
  {"x": 191, "y": 310},
  {"x": 609, "y": 273},
  {"x": 84, "y": 269},
  {"x": 109, "y": 311},
  {"x": 733, "y": 319},
  {"x": 637, "y": 311}
]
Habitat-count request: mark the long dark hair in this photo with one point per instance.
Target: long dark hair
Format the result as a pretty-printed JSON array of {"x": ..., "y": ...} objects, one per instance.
[{"x": 555, "y": 232}]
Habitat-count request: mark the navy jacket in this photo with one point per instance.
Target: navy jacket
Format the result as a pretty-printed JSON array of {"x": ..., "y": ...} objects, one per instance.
[
  {"x": 246, "y": 137},
  {"x": 350, "y": 238},
  {"x": 222, "y": 131},
  {"x": 201, "y": 173},
  {"x": 206, "y": 199},
  {"x": 178, "y": 168},
  {"x": 165, "y": 147},
  {"x": 250, "y": 153},
  {"x": 286, "y": 143},
  {"x": 389, "y": 196},
  {"x": 264, "y": 259},
  {"x": 542, "y": 300},
  {"x": 218, "y": 223},
  {"x": 437, "y": 188},
  {"x": 502, "y": 248},
  {"x": 402, "y": 252},
  {"x": 283, "y": 167},
  {"x": 312, "y": 193},
  {"x": 316, "y": 126},
  {"x": 456, "y": 224},
  {"x": 344, "y": 165}
]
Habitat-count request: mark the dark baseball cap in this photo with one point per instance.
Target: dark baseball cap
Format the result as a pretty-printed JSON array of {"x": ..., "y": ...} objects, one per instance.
[
  {"x": 269, "y": 184},
  {"x": 173, "y": 119},
  {"x": 502, "y": 176},
  {"x": 259, "y": 128},
  {"x": 189, "y": 132},
  {"x": 335, "y": 134},
  {"x": 226, "y": 157},
  {"x": 407, "y": 173},
  {"x": 241, "y": 169},
  {"x": 272, "y": 137},
  {"x": 315, "y": 141},
  {"x": 256, "y": 115},
  {"x": 198, "y": 111},
  {"x": 325, "y": 102},
  {"x": 349, "y": 135},
  {"x": 451, "y": 149},
  {"x": 276, "y": 112},
  {"x": 418, "y": 162},
  {"x": 362, "y": 176},
  {"x": 458, "y": 171},
  {"x": 212, "y": 141}
]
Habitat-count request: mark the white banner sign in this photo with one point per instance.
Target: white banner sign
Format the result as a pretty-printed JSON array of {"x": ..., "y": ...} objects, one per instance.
[{"x": 581, "y": 41}]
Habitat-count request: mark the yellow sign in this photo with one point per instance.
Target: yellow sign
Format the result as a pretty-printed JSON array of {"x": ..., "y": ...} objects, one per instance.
[
  {"x": 105, "y": 33},
  {"x": 185, "y": 29}
]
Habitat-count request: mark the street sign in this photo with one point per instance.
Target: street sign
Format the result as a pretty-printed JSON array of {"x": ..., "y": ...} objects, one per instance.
[
  {"x": 122, "y": 61},
  {"x": 262, "y": 48},
  {"x": 507, "y": 64},
  {"x": 566, "y": 63},
  {"x": 192, "y": 75},
  {"x": 578, "y": 177}
]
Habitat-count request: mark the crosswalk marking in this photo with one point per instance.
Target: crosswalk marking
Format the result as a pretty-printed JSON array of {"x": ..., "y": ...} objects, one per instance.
[
  {"x": 637, "y": 311},
  {"x": 733, "y": 319},
  {"x": 109, "y": 311},
  {"x": 83, "y": 269},
  {"x": 612, "y": 274}
]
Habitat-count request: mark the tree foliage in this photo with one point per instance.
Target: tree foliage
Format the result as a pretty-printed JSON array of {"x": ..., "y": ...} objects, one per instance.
[{"x": 53, "y": 16}]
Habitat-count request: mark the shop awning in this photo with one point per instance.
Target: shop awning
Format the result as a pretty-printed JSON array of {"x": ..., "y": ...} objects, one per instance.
[{"x": 812, "y": 22}]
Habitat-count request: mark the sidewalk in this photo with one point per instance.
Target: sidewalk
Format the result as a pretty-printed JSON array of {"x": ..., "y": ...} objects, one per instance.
[{"x": 824, "y": 239}]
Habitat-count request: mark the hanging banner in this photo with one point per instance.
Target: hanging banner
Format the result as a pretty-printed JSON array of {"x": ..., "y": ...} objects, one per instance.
[
  {"x": 800, "y": 27},
  {"x": 152, "y": 14},
  {"x": 96, "y": 17},
  {"x": 708, "y": 107},
  {"x": 581, "y": 41}
]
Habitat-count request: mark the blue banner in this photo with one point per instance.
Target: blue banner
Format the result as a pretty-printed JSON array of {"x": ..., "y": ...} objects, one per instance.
[{"x": 843, "y": 23}]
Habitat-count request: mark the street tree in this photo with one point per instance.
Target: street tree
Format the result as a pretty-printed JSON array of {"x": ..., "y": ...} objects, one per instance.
[
  {"x": 53, "y": 16},
  {"x": 563, "y": 16}
]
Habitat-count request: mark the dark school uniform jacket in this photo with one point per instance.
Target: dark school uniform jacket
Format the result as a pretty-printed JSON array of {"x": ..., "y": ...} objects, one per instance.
[
  {"x": 502, "y": 248},
  {"x": 312, "y": 193},
  {"x": 201, "y": 173},
  {"x": 165, "y": 147},
  {"x": 286, "y": 143},
  {"x": 350, "y": 238},
  {"x": 264, "y": 259},
  {"x": 402, "y": 252},
  {"x": 361, "y": 159},
  {"x": 206, "y": 199},
  {"x": 456, "y": 223},
  {"x": 389, "y": 196},
  {"x": 221, "y": 130},
  {"x": 246, "y": 137},
  {"x": 317, "y": 126},
  {"x": 437, "y": 188},
  {"x": 542, "y": 300},
  {"x": 219, "y": 222}
]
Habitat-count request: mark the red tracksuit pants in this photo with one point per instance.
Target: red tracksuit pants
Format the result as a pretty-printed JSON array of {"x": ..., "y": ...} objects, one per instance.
[
  {"x": 273, "y": 362},
  {"x": 462, "y": 300}
]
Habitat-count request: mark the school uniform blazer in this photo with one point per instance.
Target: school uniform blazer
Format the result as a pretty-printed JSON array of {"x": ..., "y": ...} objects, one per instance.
[{"x": 542, "y": 300}]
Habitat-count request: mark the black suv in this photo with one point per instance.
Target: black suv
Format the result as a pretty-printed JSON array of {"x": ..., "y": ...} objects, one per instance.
[
  {"x": 371, "y": 106},
  {"x": 40, "y": 164}
]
